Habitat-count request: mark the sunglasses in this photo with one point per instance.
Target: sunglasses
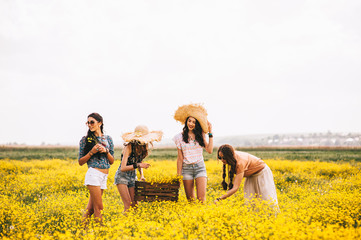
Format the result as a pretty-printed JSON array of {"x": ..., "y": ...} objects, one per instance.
[
  {"x": 90, "y": 122},
  {"x": 220, "y": 158}
]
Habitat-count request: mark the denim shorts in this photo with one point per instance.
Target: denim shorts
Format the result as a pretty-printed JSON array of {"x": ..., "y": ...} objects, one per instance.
[
  {"x": 94, "y": 177},
  {"x": 128, "y": 178},
  {"x": 193, "y": 171}
]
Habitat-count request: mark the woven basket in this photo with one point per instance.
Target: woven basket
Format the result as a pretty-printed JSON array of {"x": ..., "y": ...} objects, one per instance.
[{"x": 151, "y": 192}]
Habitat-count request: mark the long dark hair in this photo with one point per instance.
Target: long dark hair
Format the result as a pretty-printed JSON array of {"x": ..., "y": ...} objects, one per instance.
[
  {"x": 90, "y": 139},
  {"x": 229, "y": 156},
  {"x": 198, "y": 132},
  {"x": 140, "y": 150}
]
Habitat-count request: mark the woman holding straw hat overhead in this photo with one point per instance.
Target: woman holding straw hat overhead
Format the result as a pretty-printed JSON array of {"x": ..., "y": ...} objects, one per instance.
[
  {"x": 136, "y": 149},
  {"x": 190, "y": 143}
]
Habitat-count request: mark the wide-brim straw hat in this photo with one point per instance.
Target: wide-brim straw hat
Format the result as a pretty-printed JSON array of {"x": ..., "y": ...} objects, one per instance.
[
  {"x": 192, "y": 110},
  {"x": 142, "y": 135}
]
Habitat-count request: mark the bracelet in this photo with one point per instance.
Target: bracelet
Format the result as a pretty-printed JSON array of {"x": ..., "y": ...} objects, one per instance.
[
  {"x": 210, "y": 135},
  {"x": 91, "y": 154},
  {"x": 135, "y": 165}
]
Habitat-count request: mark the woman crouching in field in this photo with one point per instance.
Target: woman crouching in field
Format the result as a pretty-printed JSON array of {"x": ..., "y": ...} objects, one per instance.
[
  {"x": 136, "y": 149},
  {"x": 259, "y": 179},
  {"x": 97, "y": 150}
]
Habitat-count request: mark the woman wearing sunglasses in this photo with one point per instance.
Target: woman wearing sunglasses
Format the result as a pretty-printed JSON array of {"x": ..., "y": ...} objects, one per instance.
[
  {"x": 97, "y": 150},
  {"x": 259, "y": 181}
]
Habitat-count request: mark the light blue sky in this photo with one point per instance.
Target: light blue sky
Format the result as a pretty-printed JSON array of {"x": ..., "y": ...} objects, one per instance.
[{"x": 258, "y": 66}]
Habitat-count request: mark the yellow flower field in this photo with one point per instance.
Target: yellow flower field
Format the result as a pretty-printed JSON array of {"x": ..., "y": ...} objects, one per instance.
[{"x": 45, "y": 200}]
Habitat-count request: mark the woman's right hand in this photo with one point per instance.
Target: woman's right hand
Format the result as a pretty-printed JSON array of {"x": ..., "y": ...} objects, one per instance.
[{"x": 144, "y": 165}]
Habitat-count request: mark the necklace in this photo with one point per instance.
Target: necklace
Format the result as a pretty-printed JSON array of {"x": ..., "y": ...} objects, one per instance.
[{"x": 191, "y": 138}]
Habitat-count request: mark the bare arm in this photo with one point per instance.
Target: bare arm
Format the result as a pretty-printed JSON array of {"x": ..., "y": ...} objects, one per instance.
[
  {"x": 237, "y": 183},
  {"x": 110, "y": 157},
  {"x": 179, "y": 162},
  {"x": 124, "y": 167},
  {"x": 126, "y": 152},
  {"x": 142, "y": 178},
  {"x": 208, "y": 146},
  {"x": 86, "y": 158}
]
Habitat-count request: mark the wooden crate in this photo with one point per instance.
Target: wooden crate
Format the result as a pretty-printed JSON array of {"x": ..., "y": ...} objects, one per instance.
[{"x": 148, "y": 192}]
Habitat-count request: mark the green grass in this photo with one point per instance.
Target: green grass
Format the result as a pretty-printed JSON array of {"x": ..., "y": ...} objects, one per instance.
[{"x": 310, "y": 154}]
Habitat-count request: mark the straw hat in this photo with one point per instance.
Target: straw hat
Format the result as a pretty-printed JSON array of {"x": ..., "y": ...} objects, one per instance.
[
  {"x": 142, "y": 134},
  {"x": 193, "y": 110}
]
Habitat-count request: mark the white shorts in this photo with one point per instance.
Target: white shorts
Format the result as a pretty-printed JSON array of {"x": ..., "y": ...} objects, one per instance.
[{"x": 94, "y": 177}]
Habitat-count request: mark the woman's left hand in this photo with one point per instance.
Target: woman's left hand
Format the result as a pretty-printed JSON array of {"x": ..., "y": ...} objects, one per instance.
[
  {"x": 209, "y": 127},
  {"x": 142, "y": 178},
  {"x": 144, "y": 165},
  {"x": 102, "y": 149}
]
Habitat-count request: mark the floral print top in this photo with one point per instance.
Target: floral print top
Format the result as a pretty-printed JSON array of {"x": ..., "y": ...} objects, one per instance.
[{"x": 98, "y": 160}]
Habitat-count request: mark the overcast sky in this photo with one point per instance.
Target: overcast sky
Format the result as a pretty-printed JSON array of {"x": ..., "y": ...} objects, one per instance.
[{"x": 257, "y": 66}]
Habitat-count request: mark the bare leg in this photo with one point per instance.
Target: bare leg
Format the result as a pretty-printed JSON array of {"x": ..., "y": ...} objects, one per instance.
[
  {"x": 95, "y": 204},
  {"x": 189, "y": 189},
  {"x": 201, "y": 185},
  {"x": 88, "y": 213},
  {"x": 132, "y": 193},
  {"x": 125, "y": 194}
]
